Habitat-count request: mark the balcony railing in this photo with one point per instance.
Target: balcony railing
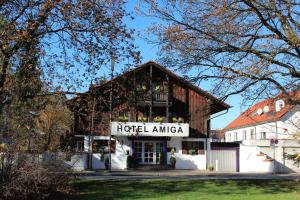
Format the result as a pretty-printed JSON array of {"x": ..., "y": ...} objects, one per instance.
[
  {"x": 160, "y": 96},
  {"x": 157, "y": 96}
]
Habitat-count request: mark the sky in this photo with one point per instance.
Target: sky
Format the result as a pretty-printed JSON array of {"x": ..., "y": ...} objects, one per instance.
[{"x": 151, "y": 52}]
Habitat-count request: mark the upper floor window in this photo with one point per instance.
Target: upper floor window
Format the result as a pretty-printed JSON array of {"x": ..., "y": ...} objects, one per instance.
[
  {"x": 252, "y": 134},
  {"x": 263, "y": 135},
  {"x": 228, "y": 137},
  {"x": 235, "y": 136},
  {"x": 279, "y": 104},
  {"x": 244, "y": 135}
]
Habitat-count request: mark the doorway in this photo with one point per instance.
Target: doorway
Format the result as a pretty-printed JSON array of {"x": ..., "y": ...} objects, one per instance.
[{"x": 148, "y": 152}]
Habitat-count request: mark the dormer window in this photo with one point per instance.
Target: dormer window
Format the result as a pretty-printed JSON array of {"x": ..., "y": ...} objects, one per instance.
[{"x": 279, "y": 105}]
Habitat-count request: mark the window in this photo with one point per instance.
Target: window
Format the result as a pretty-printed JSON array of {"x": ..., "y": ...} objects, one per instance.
[
  {"x": 235, "y": 136},
  {"x": 252, "y": 134},
  {"x": 228, "y": 137},
  {"x": 193, "y": 147},
  {"x": 102, "y": 146},
  {"x": 263, "y": 135},
  {"x": 79, "y": 146},
  {"x": 244, "y": 135},
  {"x": 279, "y": 104}
]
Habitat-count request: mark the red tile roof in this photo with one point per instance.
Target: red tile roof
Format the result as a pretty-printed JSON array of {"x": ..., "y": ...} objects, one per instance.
[{"x": 251, "y": 117}]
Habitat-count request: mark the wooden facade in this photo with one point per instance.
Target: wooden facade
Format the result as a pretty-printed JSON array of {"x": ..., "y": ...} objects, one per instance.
[{"x": 147, "y": 93}]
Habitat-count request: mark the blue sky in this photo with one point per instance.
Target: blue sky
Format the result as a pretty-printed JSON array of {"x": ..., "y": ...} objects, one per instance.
[{"x": 151, "y": 52}]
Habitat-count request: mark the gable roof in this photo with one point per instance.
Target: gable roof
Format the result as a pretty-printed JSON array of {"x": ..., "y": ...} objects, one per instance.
[
  {"x": 219, "y": 104},
  {"x": 250, "y": 116}
]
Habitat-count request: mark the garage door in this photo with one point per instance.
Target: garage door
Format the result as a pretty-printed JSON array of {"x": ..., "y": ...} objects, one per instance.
[{"x": 225, "y": 160}]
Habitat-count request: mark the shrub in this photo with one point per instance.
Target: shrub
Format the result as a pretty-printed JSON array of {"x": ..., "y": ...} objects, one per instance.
[
  {"x": 173, "y": 161},
  {"x": 34, "y": 181}
]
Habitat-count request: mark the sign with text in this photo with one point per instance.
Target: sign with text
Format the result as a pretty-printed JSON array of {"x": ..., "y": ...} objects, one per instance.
[{"x": 150, "y": 129}]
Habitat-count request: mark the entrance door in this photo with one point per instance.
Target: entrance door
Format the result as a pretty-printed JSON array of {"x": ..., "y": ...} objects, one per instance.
[{"x": 148, "y": 152}]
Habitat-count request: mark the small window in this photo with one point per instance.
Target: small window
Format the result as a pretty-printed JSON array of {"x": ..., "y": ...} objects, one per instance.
[
  {"x": 102, "y": 146},
  {"x": 279, "y": 105},
  {"x": 193, "y": 147},
  {"x": 263, "y": 135},
  {"x": 244, "y": 135},
  {"x": 235, "y": 136},
  {"x": 228, "y": 137},
  {"x": 252, "y": 134},
  {"x": 79, "y": 146}
]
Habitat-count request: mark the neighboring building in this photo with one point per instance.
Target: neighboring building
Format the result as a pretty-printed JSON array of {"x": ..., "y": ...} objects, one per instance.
[
  {"x": 217, "y": 135},
  {"x": 266, "y": 133},
  {"x": 154, "y": 111},
  {"x": 269, "y": 119}
]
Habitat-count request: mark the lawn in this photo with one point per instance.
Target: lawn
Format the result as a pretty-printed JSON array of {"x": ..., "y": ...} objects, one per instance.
[{"x": 187, "y": 189}]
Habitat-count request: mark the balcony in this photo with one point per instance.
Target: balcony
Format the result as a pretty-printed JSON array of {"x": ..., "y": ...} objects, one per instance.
[{"x": 159, "y": 98}]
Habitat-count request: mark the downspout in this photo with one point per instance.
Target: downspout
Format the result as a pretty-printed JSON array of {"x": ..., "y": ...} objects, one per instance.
[{"x": 208, "y": 157}]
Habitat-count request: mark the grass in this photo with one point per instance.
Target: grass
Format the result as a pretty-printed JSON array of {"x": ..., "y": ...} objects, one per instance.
[{"x": 187, "y": 189}]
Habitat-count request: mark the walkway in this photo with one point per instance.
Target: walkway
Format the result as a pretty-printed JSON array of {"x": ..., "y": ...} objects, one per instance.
[{"x": 181, "y": 174}]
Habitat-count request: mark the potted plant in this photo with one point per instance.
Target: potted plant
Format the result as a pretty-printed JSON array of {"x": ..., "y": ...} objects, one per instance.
[
  {"x": 192, "y": 151},
  {"x": 157, "y": 88},
  {"x": 106, "y": 163},
  {"x": 180, "y": 120},
  {"x": 211, "y": 168},
  {"x": 130, "y": 161},
  {"x": 173, "y": 159},
  {"x": 142, "y": 119},
  {"x": 123, "y": 118},
  {"x": 174, "y": 119},
  {"x": 158, "y": 119}
]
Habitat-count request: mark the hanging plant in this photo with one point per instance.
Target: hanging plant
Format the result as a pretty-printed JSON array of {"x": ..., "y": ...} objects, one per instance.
[
  {"x": 142, "y": 119},
  {"x": 180, "y": 120},
  {"x": 174, "y": 119},
  {"x": 157, "y": 88},
  {"x": 158, "y": 119},
  {"x": 123, "y": 118}
]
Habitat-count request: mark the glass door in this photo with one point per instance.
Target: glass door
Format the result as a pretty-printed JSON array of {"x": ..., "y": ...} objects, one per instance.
[{"x": 148, "y": 152}]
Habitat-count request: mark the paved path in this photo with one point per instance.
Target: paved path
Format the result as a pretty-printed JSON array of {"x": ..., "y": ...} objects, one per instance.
[{"x": 181, "y": 174}]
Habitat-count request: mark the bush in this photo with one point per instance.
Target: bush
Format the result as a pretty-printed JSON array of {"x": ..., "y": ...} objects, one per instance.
[
  {"x": 173, "y": 161},
  {"x": 34, "y": 181}
]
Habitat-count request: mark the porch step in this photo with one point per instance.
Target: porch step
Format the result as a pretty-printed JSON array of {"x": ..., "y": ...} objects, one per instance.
[{"x": 153, "y": 167}]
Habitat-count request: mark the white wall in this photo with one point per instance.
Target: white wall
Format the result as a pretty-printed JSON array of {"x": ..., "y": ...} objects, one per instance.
[
  {"x": 78, "y": 162},
  {"x": 185, "y": 161},
  {"x": 119, "y": 158},
  {"x": 251, "y": 161},
  {"x": 285, "y": 128}
]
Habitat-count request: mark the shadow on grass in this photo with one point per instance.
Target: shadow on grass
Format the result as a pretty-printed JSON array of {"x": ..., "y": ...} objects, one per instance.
[{"x": 139, "y": 189}]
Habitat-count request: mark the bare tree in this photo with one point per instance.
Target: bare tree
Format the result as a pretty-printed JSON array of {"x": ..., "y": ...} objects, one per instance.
[
  {"x": 244, "y": 47},
  {"x": 65, "y": 38}
]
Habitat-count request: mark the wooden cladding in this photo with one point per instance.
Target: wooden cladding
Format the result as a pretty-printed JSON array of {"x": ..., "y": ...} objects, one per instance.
[{"x": 145, "y": 93}]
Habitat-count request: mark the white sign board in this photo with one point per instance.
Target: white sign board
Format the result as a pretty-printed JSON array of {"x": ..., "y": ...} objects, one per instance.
[{"x": 150, "y": 129}]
